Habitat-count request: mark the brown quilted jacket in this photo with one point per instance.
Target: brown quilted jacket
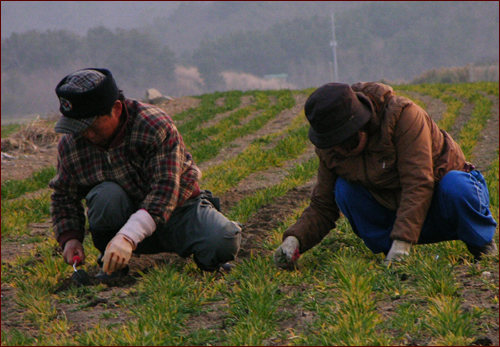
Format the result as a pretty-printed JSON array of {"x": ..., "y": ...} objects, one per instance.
[{"x": 404, "y": 156}]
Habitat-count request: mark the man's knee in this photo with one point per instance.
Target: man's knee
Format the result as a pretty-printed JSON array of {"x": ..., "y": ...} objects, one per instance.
[
  {"x": 229, "y": 245},
  {"x": 109, "y": 206},
  {"x": 220, "y": 247}
]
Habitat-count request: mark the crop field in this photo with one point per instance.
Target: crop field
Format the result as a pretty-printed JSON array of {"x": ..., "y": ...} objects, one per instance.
[{"x": 255, "y": 155}]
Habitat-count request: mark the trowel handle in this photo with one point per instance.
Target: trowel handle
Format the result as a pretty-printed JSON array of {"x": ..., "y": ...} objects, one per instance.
[{"x": 76, "y": 260}]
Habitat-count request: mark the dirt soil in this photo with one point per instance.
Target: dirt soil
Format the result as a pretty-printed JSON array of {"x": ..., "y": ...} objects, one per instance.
[{"x": 22, "y": 161}]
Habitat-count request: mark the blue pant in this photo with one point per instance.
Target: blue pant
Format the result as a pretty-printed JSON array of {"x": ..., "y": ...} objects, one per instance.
[
  {"x": 459, "y": 211},
  {"x": 195, "y": 228}
]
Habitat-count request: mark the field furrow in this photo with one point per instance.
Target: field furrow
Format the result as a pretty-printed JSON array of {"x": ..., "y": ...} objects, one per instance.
[{"x": 241, "y": 144}]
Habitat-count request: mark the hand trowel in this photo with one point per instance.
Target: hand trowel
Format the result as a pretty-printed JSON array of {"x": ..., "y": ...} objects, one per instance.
[{"x": 80, "y": 277}]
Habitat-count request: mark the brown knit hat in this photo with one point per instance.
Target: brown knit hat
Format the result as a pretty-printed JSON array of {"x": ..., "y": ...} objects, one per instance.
[{"x": 335, "y": 113}]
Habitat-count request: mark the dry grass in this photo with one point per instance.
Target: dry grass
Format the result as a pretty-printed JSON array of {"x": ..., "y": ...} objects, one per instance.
[{"x": 31, "y": 136}]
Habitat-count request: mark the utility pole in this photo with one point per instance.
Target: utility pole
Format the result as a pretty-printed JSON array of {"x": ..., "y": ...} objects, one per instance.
[{"x": 333, "y": 44}]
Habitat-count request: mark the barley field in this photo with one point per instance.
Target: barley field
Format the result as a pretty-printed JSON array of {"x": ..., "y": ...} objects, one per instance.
[{"x": 255, "y": 155}]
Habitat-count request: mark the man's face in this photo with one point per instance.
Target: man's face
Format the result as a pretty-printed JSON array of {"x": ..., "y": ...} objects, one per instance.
[{"x": 101, "y": 131}]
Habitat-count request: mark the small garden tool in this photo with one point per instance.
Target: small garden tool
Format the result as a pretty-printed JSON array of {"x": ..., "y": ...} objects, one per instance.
[{"x": 80, "y": 277}]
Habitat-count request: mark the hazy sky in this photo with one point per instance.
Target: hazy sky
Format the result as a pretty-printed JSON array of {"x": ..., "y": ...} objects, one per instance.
[{"x": 79, "y": 16}]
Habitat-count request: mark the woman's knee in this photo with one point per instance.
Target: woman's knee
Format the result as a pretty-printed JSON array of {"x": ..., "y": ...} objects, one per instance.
[
  {"x": 343, "y": 190},
  {"x": 350, "y": 195},
  {"x": 458, "y": 187},
  {"x": 454, "y": 184}
]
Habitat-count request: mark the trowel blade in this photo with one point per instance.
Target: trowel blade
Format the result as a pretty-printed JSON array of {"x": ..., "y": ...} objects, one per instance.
[{"x": 81, "y": 277}]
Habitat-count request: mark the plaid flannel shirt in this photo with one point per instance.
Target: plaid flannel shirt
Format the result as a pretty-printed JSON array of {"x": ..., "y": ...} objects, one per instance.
[{"x": 148, "y": 160}]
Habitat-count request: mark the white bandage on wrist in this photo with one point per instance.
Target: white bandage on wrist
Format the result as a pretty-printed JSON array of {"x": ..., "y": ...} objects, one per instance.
[{"x": 139, "y": 226}]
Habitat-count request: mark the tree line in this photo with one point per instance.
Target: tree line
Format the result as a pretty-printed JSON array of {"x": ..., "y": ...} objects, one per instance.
[
  {"x": 33, "y": 59},
  {"x": 130, "y": 53}
]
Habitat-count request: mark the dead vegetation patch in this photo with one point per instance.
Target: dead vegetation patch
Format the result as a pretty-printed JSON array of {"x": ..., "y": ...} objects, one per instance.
[
  {"x": 31, "y": 137},
  {"x": 178, "y": 105}
]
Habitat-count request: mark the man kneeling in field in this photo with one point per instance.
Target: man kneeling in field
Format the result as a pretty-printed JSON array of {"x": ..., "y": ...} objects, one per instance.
[
  {"x": 128, "y": 161},
  {"x": 392, "y": 172}
]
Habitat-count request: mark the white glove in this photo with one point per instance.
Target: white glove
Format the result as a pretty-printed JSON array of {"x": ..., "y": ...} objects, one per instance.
[
  {"x": 119, "y": 250},
  {"x": 398, "y": 251},
  {"x": 117, "y": 254},
  {"x": 287, "y": 254}
]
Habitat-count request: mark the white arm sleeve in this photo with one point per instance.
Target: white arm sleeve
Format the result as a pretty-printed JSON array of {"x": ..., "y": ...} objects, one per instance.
[{"x": 139, "y": 226}]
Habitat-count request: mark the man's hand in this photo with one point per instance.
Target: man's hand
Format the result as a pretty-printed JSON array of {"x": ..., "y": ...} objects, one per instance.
[
  {"x": 287, "y": 254},
  {"x": 117, "y": 254},
  {"x": 72, "y": 248},
  {"x": 398, "y": 251}
]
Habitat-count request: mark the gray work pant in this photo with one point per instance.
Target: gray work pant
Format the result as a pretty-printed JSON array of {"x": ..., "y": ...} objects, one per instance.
[{"x": 195, "y": 228}]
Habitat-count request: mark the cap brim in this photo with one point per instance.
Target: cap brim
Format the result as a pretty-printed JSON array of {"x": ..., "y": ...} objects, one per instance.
[{"x": 67, "y": 125}]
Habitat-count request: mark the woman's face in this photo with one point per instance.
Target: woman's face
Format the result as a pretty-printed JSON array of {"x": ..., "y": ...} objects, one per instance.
[{"x": 352, "y": 146}]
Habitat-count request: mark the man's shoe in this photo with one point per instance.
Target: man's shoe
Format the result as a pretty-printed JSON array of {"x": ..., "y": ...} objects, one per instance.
[
  {"x": 102, "y": 276},
  {"x": 227, "y": 267},
  {"x": 488, "y": 249}
]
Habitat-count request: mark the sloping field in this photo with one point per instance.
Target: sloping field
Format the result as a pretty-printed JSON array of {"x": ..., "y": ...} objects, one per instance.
[{"x": 255, "y": 155}]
